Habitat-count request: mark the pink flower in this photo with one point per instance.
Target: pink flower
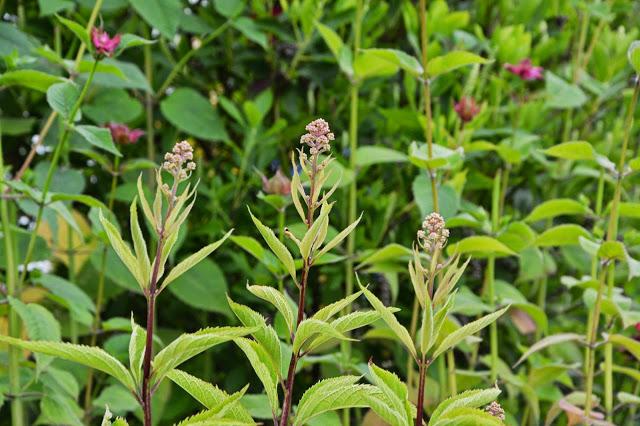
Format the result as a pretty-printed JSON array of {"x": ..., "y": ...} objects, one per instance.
[
  {"x": 102, "y": 43},
  {"x": 278, "y": 184},
  {"x": 466, "y": 108},
  {"x": 525, "y": 70},
  {"x": 123, "y": 134}
]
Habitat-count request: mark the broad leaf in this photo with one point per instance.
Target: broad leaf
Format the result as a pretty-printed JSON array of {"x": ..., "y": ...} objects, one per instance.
[
  {"x": 278, "y": 300},
  {"x": 278, "y": 248}
]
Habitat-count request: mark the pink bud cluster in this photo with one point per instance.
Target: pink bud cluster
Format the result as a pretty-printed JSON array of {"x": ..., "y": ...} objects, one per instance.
[
  {"x": 525, "y": 70},
  {"x": 178, "y": 161},
  {"x": 103, "y": 44},
  {"x": 496, "y": 410},
  {"x": 433, "y": 235},
  {"x": 318, "y": 137}
]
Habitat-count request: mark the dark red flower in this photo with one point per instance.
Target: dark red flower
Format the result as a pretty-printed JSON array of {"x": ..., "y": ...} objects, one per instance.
[
  {"x": 102, "y": 43},
  {"x": 122, "y": 134},
  {"x": 278, "y": 184},
  {"x": 525, "y": 70},
  {"x": 466, "y": 108}
]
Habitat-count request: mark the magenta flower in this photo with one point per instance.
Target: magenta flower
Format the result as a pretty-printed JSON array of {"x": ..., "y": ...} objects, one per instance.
[
  {"x": 122, "y": 134},
  {"x": 525, "y": 70},
  {"x": 102, "y": 43},
  {"x": 466, "y": 108}
]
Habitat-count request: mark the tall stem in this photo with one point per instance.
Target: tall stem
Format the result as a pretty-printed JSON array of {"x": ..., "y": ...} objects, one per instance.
[
  {"x": 13, "y": 290},
  {"x": 490, "y": 275},
  {"x": 353, "y": 187},
  {"x": 52, "y": 167},
  {"x": 304, "y": 278},
  {"x": 612, "y": 235},
  {"x": 423, "y": 366},
  {"x": 151, "y": 305},
  {"x": 592, "y": 334},
  {"x": 148, "y": 72}
]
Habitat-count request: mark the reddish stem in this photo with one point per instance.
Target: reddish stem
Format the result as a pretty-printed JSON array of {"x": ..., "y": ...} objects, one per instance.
[{"x": 424, "y": 364}]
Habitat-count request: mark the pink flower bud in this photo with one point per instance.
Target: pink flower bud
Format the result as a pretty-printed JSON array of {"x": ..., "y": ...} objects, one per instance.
[
  {"x": 525, "y": 70},
  {"x": 278, "y": 184},
  {"x": 103, "y": 44},
  {"x": 124, "y": 135},
  {"x": 466, "y": 108}
]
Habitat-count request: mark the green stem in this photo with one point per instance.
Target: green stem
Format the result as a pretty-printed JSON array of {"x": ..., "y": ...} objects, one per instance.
[
  {"x": 183, "y": 61},
  {"x": 90, "y": 23},
  {"x": 151, "y": 149},
  {"x": 353, "y": 188},
  {"x": 52, "y": 167},
  {"x": 490, "y": 275},
  {"x": 13, "y": 290},
  {"x": 612, "y": 235},
  {"x": 71, "y": 274},
  {"x": 592, "y": 334},
  {"x": 451, "y": 368}
]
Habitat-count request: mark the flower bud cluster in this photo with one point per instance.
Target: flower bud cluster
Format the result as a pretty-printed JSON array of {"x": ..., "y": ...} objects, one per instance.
[
  {"x": 178, "y": 161},
  {"x": 318, "y": 137},
  {"x": 433, "y": 235},
  {"x": 496, "y": 410}
]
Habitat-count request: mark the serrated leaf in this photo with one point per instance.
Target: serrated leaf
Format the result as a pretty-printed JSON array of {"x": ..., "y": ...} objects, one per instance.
[
  {"x": 137, "y": 343},
  {"x": 278, "y": 248},
  {"x": 264, "y": 373},
  {"x": 328, "y": 311},
  {"x": 469, "y": 399},
  {"x": 338, "y": 238},
  {"x": 311, "y": 327},
  {"x": 193, "y": 260},
  {"x": 90, "y": 356},
  {"x": 207, "y": 394},
  {"x": 329, "y": 395},
  {"x": 466, "y": 416},
  {"x": 189, "y": 345},
  {"x": 387, "y": 316},
  {"x": 277, "y": 299},
  {"x": 139, "y": 244},
  {"x": 467, "y": 330},
  {"x": 123, "y": 251},
  {"x": 314, "y": 236},
  {"x": 393, "y": 389}
]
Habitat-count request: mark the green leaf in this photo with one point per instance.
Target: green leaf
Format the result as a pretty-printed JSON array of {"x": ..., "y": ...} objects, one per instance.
[
  {"x": 374, "y": 154},
  {"x": 480, "y": 246},
  {"x": 315, "y": 235},
  {"x": 161, "y": 14},
  {"x": 329, "y": 395},
  {"x": 452, "y": 60},
  {"x": 253, "y": 247},
  {"x": 251, "y": 30},
  {"x": 76, "y": 29},
  {"x": 427, "y": 329},
  {"x": 549, "y": 341},
  {"x": 229, "y": 8},
  {"x": 557, "y": 207},
  {"x": 612, "y": 250},
  {"x": 562, "y": 95},
  {"x": 390, "y": 252},
  {"x": 276, "y": 246},
  {"x": 265, "y": 335},
  {"x": 114, "y": 105},
  {"x": 87, "y": 200},
  {"x": 441, "y": 156},
  {"x": 631, "y": 345},
  {"x": 561, "y": 235},
  {"x": 49, "y": 7},
  {"x": 192, "y": 113},
  {"x": 62, "y": 97},
  {"x": 193, "y": 260},
  {"x": 70, "y": 296},
  {"x": 631, "y": 210},
  {"x": 311, "y": 327},
  {"x": 325, "y": 314},
  {"x": 123, "y": 251},
  {"x": 469, "y": 399},
  {"x": 137, "y": 343},
  {"x": 127, "y": 41},
  {"x": 90, "y": 356},
  {"x": 31, "y": 79},
  {"x": 393, "y": 389},
  {"x": 40, "y": 325},
  {"x": 574, "y": 150},
  {"x": 256, "y": 355},
  {"x": 139, "y": 244},
  {"x": 340, "y": 51},
  {"x": 207, "y": 394},
  {"x": 633, "y": 53},
  {"x": 99, "y": 137},
  {"x": 189, "y": 345},
  {"x": 399, "y": 59},
  {"x": 466, "y": 416},
  {"x": 451, "y": 340},
  {"x": 387, "y": 316},
  {"x": 277, "y": 299}
]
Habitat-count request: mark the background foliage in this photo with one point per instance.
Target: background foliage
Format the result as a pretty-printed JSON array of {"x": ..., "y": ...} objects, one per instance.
[{"x": 526, "y": 185}]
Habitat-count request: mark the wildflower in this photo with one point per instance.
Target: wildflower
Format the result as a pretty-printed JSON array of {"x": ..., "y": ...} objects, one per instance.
[
  {"x": 122, "y": 134},
  {"x": 496, "y": 410},
  {"x": 433, "y": 235},
  {"x": 466, "y": 108},
  {"x": 318, "y": 137},
  {"x": 525, "y": 70},
  {"x": 278, "y": 184},
  {"x": 178, "y": 161},
  {"x": 103, "y": 44}
]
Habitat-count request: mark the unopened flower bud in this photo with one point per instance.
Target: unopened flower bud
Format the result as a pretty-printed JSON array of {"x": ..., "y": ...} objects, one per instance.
[{"x": 496, "y": 410}]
